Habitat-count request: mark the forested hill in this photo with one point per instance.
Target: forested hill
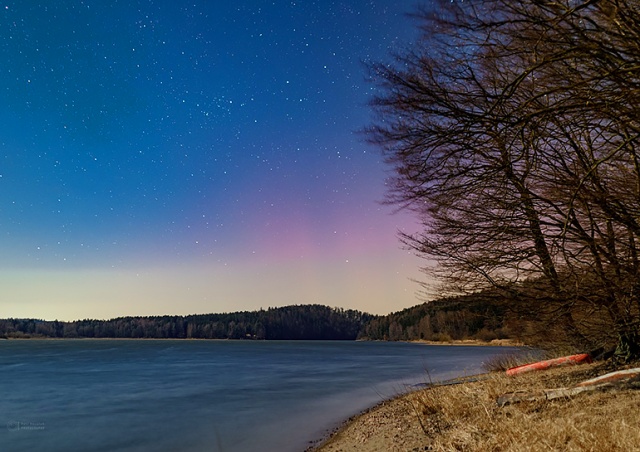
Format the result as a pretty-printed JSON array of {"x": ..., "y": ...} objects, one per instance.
[
  {"x": 290, "y": 322},
  {"x": 480, "y": 316}
]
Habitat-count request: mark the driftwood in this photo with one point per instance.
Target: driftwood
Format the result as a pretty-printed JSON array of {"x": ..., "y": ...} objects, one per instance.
[{"x": 622, "y": 379}]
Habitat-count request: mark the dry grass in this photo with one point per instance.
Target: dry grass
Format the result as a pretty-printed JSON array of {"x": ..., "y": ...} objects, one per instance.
[
  {"x": 466, "y": 417},
  {"x": 502, "y": 362}
]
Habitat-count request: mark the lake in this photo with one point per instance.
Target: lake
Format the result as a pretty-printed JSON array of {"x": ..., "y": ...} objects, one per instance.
[{"x": 183, "y": 395}]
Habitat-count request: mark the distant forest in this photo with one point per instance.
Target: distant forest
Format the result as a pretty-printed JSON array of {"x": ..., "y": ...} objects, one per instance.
[
  {"x": 458, "y": 318},
  {"x": 443, "y": 320},
  {"x": 286, "y": 323}
]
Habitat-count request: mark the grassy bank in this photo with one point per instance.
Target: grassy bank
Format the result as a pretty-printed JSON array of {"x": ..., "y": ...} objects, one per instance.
[{"x": 467, "y": 417}]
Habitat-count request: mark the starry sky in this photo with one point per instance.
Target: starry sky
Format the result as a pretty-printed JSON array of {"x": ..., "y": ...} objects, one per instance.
[{"x": 179, "y": 157}]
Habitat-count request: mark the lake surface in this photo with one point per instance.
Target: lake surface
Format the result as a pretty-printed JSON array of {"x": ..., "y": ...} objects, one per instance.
[{"x": 178, "y": 395}]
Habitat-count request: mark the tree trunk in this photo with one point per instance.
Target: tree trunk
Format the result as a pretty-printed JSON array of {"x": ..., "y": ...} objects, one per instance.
[{"x": 628, "y": 347}]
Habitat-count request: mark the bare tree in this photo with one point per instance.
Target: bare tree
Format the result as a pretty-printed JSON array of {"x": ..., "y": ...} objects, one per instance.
[{"x": 513, "y": 132}]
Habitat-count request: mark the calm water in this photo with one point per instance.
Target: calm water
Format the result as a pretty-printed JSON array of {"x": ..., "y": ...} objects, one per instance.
[{"x": 112, "y": 395}]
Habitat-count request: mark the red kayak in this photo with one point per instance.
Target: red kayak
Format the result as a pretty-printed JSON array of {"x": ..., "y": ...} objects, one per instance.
[{"x": 581, "y": 358}]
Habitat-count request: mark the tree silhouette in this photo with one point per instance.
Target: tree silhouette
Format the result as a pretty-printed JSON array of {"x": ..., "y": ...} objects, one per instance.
[{"x": 512, "y": 129}]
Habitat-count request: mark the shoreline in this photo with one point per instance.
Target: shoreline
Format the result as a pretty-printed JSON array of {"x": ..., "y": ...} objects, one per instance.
[
  {"x": 469, "y": 417},
  {"x": 392, "y": 410},
  {"x": 475, "y": 343},
  {"x": 452, "y": 343},
  {"x": 377, "y": 420}
]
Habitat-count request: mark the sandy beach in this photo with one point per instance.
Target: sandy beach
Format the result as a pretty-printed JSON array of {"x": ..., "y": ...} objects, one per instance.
[{"x": 389, "y": 426}]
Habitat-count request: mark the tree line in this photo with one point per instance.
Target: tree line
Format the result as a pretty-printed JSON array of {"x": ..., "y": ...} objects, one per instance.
[
  {"x": 299, "y": 322},
  {"x": 479, "y": 316}
]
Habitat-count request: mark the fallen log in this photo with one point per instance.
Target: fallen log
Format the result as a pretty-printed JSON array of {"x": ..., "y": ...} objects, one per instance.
[
  {"x": 622, "y": 379},
  {"x": 545, "y": 394}
]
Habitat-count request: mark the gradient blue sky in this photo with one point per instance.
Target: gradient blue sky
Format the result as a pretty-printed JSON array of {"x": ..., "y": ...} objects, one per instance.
[{"x": 174, "y": 157}]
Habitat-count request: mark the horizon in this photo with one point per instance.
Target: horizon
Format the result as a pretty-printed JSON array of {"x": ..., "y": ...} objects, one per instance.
[{"x": 183, "y": 157}]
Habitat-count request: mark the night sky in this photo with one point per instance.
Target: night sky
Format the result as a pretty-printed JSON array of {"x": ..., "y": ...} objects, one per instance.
[{"x": 174, "y": 157}]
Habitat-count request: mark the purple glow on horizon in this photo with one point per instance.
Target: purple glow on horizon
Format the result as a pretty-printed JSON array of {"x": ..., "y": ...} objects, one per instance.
[{"x": 199, "y": 143}]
